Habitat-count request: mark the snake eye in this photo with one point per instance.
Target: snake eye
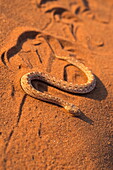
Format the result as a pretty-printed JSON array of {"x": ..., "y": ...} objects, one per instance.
[{"x": 75, "y": 110}]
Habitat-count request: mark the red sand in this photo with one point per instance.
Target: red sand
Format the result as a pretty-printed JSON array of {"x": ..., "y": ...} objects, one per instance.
[{"x": 39, "y": 135}]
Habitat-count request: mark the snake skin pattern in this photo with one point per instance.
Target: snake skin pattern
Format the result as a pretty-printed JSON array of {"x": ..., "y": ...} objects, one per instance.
[{"x": 26, "y": 84}]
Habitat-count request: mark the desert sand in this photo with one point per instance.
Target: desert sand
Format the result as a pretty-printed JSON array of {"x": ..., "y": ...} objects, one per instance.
[{"x": 38, "y": 135}]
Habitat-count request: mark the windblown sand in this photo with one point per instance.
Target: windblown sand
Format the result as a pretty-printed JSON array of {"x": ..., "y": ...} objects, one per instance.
[{"x": 39, "y": 135}]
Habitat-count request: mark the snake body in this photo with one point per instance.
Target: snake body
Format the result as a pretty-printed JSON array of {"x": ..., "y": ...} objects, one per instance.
[{"x": 26, "y": 84}]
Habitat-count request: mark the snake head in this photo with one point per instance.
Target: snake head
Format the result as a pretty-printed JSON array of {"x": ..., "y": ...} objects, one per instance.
[{"x": 74, "y": 110}]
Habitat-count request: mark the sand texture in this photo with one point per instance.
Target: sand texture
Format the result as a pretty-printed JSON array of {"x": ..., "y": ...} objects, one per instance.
[{"x": 35, "y": 135}]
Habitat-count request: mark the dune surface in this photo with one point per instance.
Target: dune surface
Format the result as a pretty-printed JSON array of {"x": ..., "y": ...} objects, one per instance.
[{"x": 40, "y": 135}]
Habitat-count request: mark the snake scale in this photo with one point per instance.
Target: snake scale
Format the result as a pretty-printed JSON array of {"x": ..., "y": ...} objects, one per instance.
[{"x": 26, "y": 84}]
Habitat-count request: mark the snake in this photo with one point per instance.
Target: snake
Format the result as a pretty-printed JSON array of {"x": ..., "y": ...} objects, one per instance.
[{"x": 29, "y": 89}]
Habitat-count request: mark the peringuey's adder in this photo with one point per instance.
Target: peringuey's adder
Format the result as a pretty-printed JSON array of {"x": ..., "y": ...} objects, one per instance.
[{"x": 26, "y": 84}]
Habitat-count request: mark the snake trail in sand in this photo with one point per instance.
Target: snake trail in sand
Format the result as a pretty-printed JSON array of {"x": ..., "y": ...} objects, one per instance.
[{"x": 26, "y": 83}]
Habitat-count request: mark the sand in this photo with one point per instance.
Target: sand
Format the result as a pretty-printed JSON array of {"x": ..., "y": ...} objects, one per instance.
[{"x": 39, "y": 135}]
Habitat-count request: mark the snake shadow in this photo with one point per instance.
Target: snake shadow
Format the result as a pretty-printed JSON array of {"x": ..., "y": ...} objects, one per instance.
[
  {"x": 43, "y": 87},
  {"x": 98, "y": 93},
  {"x": 84, "y": 118}
]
